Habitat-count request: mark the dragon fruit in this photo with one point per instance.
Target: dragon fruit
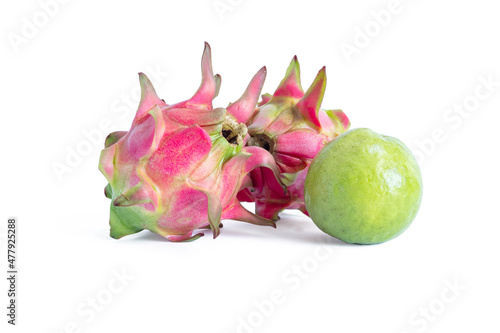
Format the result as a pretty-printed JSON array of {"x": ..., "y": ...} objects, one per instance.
[
  {"x": 179, "y": 167},
  {"x": 293, "y": 128}
]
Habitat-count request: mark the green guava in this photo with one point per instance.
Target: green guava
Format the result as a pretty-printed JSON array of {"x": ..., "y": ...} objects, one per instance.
[{"x": 363, "y": 187}]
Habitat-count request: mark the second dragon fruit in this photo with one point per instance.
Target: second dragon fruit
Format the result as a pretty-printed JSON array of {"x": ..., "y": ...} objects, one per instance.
[{"x": 293, "y": 128}]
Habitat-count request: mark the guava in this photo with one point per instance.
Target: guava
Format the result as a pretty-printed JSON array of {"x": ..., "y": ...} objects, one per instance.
[{"x": 363, "y": 187}]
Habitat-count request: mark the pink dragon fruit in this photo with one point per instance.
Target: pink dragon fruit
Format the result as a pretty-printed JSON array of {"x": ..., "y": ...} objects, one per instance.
[
  {"x": 179, "y": 167},
  {"x": 293, "y": 128}
]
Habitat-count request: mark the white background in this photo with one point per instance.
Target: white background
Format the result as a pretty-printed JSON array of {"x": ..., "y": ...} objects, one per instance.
[{"x": 78, "y": 67}]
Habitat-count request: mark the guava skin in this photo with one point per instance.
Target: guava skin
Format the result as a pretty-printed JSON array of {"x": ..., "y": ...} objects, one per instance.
[{"x": 363, "y": 187}]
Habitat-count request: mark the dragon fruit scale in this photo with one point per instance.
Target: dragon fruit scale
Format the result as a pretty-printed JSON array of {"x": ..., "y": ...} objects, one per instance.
[
  {"x": 179, "y": 167},
  {"x": 293, "y": 128}
]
